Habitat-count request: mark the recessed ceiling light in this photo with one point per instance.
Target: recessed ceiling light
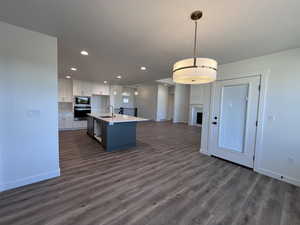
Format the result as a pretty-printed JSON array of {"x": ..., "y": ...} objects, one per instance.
[
  {"x": 105, "y": 82},
  {"x": 136, "y": 93},
  {"x": 119, "y": 77},
  {"x": 143, "y": 68},
  {"x": 84, "y": 53},
  {"x": 115, "y": 93},
  {"x": 73, "y": 69},
  {"x": 68, "y": 77}
]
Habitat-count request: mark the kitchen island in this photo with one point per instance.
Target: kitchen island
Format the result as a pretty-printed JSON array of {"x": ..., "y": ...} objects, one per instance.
[{"x": 117, "y": 132}]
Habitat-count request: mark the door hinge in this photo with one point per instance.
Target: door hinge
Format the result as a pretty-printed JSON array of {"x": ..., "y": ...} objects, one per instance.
[
  {"x": 256, "y": 123},
  {"x": 253, "y": 158},
  {"x": 258, "y": 87}
]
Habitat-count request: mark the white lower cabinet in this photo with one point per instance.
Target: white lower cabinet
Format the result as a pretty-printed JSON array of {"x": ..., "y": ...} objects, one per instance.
[
  {"x": 76, "y": 124},
  {"x": 79, "y": 124},
  {"x": 60, "y": 123},
  {"x": 66, "y": 122}
]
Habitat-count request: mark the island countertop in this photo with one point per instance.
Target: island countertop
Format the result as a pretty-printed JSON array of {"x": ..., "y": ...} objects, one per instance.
[{"x": 118, "y": 118}]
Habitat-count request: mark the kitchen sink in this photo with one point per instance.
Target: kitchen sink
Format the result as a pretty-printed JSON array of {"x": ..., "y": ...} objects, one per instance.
[{"x": 107, "y": 116}]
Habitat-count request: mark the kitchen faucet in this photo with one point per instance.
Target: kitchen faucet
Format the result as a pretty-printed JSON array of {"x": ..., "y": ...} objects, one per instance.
[{"x": 112, "y": 110}]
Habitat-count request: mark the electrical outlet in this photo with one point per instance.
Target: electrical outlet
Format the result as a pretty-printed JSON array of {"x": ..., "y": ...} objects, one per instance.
[{"x": 33, "y": 113}]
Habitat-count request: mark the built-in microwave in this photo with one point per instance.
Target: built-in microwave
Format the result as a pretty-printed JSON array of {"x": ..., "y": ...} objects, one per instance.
[{"x": 82, "y": 100}]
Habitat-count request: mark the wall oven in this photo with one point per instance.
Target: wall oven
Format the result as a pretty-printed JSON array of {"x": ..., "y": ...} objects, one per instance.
[{"x": 82, "y": 106}]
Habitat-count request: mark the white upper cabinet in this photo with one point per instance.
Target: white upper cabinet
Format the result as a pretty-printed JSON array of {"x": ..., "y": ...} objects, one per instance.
[
  {"x": 65, "y": 92},
  {"x": 87, "y": 88},
  {"x": 82, "y": 88},
  {"x": 76, "y": 88},
  {"x": 100, "y": 89}
]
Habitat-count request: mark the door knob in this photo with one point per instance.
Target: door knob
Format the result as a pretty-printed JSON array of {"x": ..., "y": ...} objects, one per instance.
[{"x": 214, "y": 123}]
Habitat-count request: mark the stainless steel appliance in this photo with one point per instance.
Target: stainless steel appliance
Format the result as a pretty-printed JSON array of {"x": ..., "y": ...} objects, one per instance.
[{"x": 82, "y": 106}]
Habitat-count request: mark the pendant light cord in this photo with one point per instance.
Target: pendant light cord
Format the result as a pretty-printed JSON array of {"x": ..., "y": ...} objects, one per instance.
[{"x": 195, "y": 42}]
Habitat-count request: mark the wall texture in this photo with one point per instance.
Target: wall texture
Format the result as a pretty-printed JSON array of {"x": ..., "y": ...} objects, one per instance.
[
  {"x": 201, "y": 95},
  {"x": 170, "y": 106},
  {"x": 28, "y": 70},
  {"x": 146, "y": 101},
  {"x": 162, "y": 102},
  {"x": 3, "y": 89},
  {"x": 280, "y": 153},
  {"x": 117, "y": 99},
  {"x": 181, "y": 103}
]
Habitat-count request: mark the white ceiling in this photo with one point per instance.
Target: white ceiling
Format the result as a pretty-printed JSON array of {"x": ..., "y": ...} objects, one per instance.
[{"x": 123, "y": 35}]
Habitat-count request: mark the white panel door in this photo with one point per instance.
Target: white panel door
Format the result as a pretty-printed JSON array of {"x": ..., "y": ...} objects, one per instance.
[{"x": 234, "y": 119}]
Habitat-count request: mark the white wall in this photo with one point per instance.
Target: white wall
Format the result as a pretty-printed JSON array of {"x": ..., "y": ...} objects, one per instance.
[
  {"x": 100, "y": 104},
  {"x": 280, "y": 155},
  {"x": 3, "y": 125},
  {"x": 200, "y": 95},
  {"x": 170, "y": 106},
  {"x": 117, "y": 100},
  {"x": 28, "y": 70},
  {"x": 146, "y": 101},
  {"x": 181, "y": 103},
  {"x": 162, "y": 103}
]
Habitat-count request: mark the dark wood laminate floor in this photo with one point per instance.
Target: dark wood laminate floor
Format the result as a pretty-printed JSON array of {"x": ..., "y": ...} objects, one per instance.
[{"x": 163, "y": 181}]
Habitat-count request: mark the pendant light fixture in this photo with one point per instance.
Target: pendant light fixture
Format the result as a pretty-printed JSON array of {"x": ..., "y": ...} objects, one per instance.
[{"x": 195, "y": 70}]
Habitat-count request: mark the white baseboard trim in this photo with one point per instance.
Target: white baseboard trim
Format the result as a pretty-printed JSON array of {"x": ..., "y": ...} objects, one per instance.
[
  {"x": 204, "y": 151},
  {"x": 162, "y": 120},
  {"x": 278, "y": 176},
  {"x": 78, "y": 128},
  {"x": 29, "y": 180},
  {"x": 180, "y": 122}
]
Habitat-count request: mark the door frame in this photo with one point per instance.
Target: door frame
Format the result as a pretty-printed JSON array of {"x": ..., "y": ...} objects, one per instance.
[{"x": 264, "y": 77}]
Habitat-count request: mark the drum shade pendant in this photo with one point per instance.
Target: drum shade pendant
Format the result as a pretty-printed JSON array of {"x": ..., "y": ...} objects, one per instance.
[{"x": 195, "y": 70}]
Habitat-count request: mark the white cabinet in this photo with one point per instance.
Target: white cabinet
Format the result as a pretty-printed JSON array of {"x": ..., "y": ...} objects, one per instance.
[
  {"x": 79, "y": 124},
  {"x": 82, "y": 88},
  {"x": 65, "y": 120},
  {"x": 87, "y": 88},
  {"x": 100, "y": 89},
  {"x": 65, "y": 92},
  {"x": 78, "y": 87}
]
